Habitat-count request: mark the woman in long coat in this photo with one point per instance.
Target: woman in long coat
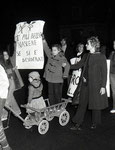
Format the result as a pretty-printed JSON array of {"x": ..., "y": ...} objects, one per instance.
[{"x": 93, "y": 88}]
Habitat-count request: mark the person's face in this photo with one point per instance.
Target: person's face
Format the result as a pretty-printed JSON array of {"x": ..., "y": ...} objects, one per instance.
[
  {"x": 90, "y": 47},
  {"x": 35, "y": 82},
  {"x": 55, "y": 51},
  {"x": 114, "y": 45},
  {"x": 5, "y": 55},
  {"x": 81, "y": 48},
  {"x": 63, "y": 42}
]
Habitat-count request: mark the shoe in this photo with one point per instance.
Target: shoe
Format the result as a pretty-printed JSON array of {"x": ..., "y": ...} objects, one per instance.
[
  {"x": 93, "y": 126},
  {"x": 76, "y": 127},
  {"x": 112, "y": 111}
]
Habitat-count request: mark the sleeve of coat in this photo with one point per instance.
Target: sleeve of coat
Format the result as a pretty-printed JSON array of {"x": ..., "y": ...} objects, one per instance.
[
  {"x": 104, "y": 70},
  {"x": 80, "y": 64},
  {"x": 46, "y": 48},
  {"x": 66, "y": 68},
  {"x": 30, "y": 93},
  {"x": 13, "y": 57},
  {"x": 4, "y": 83},
  {"x": 13, "y": 61}
]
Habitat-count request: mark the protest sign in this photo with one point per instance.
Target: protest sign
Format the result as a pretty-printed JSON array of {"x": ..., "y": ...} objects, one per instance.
[
  {"x": 108, "y": 78},
  {"x": 29, "y": 47},
  {"x": 74, "y": 79},
  {"x": 76, "y": 76}
]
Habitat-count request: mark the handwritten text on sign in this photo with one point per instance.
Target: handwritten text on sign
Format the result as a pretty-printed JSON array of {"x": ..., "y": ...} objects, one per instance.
[
  {"x": 75, "y": 80},
  {"x": 29, "y": 47}
]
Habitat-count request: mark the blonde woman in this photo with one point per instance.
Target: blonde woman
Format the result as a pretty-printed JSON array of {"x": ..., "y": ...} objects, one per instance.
[{"x": 93, "y": 90}]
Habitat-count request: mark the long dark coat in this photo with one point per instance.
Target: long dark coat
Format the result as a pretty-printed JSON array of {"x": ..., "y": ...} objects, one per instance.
[
  {"x": 97, "y": 78},
  {"x": 95, "y": 73}
]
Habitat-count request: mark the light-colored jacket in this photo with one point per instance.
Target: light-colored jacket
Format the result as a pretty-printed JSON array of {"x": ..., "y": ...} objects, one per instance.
[
  {"x": 4, "y": 83},
  {"x": 54, "y": 72}
]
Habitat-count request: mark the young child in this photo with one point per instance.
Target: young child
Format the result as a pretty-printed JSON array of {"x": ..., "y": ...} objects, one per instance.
[
  {"x": 56, "y": 69},
  {"x": 35, "y": 99}
]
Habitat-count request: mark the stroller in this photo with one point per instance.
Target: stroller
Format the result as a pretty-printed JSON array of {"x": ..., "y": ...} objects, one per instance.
[{"x": 45, "y": 115}]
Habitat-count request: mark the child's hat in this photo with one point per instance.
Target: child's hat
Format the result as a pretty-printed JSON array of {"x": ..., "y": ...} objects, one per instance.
[{"x": 34, "y": 75}]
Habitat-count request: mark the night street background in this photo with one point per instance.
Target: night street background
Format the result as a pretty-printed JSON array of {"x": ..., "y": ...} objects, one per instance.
[
  {"x": 77, "y": 19},
  {"x": 56, "y": 14}
]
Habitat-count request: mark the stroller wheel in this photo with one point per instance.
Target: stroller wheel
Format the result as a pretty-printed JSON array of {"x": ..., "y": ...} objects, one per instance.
[
  {"x": 64, "y": 118},
  {"x": 43, "y": 127}
]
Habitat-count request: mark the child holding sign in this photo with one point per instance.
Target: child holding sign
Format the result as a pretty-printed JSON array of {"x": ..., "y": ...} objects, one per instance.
[{"x": 54, "y": 74}]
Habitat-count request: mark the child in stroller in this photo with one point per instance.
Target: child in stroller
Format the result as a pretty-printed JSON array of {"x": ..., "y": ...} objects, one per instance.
[{"x": 35, "y": 99}]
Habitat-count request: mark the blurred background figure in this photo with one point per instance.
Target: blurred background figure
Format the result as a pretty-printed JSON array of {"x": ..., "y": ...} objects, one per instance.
[
  {"x": 112, "y": 75},
  {"x": 67, "y": 48}
]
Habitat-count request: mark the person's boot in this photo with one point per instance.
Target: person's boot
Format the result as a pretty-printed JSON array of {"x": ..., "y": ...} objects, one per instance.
[
  {"x": 76, "y": 127},
  {"x": 93, "y": 126}
]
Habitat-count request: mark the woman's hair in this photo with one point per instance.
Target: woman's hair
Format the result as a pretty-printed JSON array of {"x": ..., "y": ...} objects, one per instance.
[
  {"x": 63, "y": 38},
  {"x": 7, "y": 62},
  {"x": 94, "y": 43}
]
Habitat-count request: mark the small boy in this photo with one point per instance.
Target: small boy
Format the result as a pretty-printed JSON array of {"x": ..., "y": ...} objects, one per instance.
[
  {"x": 56, "y": 69},
  {"x": 35, "y": 99}
]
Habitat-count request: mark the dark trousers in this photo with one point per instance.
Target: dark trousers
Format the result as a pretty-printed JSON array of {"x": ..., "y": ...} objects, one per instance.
[
  {"x": 54, "y": 92},
  {"x": 96, "y": 117},
  {"x": 82, "y": 107}
]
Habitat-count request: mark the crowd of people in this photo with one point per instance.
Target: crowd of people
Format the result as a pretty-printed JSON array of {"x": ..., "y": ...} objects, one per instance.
[{"x": 62, "y": 63}]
